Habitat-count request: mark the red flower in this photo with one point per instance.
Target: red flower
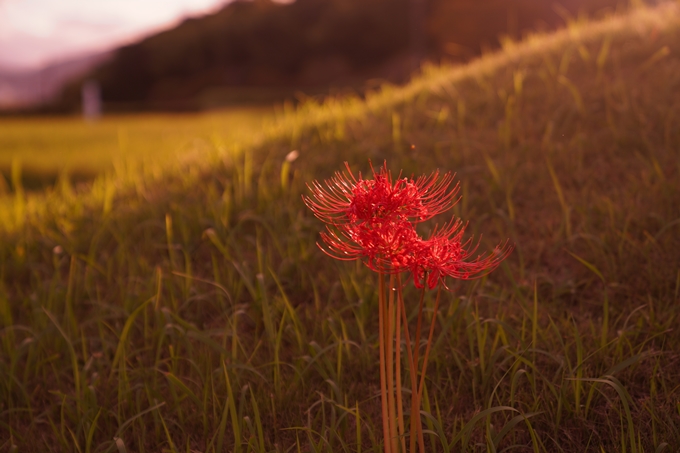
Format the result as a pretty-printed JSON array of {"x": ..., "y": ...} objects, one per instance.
[
  {"x": 374, "y": 219},
  {"x": 387, "y": 246},
  {"x": 446, "y": 255},
  {"x": 346, "y": 198}
]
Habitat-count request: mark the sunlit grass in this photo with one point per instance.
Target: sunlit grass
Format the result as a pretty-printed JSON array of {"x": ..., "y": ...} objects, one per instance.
[
  {"x": 48, "y": 148},
  {"x": 184, "y": 306}
]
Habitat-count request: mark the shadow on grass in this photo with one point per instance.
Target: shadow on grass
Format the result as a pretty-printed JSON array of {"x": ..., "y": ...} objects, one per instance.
[{"x": 35, "y": 179}]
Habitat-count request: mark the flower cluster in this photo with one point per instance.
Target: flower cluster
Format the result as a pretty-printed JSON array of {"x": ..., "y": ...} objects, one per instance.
[{"x": 375, "y": 220}]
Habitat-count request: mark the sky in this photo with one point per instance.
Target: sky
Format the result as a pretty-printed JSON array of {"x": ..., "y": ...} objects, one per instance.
[{"x": 37, "y": 32}]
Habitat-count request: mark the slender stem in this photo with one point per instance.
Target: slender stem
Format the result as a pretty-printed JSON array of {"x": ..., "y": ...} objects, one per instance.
[
  {"x": 383, "y": 391},
  {"x": 389, "y": 344},
  {"x": 416, "y": 425},
  {"x": 419, "y": 325},
  {"x": 429, "y": 343},
  {"x": 400, "y": 403},
  {"x": 416, "y": 354}
]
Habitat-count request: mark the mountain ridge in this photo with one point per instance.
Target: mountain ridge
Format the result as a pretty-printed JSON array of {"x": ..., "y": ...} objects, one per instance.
[{"x": 265, "y": 47}]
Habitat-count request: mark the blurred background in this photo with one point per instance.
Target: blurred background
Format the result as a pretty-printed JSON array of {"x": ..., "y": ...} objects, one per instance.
[{"x": 191, "y": 55}]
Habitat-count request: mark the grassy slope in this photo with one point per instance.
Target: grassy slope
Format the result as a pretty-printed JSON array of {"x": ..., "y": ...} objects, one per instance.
[{"x": 186, "y": 308}]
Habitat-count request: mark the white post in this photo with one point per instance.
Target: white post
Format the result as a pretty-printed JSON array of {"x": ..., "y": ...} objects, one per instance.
[{"x": 92, "y": 100}]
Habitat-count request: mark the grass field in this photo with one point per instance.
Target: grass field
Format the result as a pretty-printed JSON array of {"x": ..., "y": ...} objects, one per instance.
[
  {"x": 48, "y": 149},
  {"x": 186, "y": 307}
]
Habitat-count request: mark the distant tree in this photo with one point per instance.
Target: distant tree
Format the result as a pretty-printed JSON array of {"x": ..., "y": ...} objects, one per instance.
[
  {"x": 261, "y": 43},
  {"x": 418, "y": 33}
]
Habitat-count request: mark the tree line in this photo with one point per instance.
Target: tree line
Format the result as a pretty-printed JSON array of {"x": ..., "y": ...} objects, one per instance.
[{"x": 261, "y": 46}]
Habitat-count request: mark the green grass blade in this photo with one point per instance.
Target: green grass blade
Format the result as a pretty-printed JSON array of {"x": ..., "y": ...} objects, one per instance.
[{"x": 124, "y": 334}]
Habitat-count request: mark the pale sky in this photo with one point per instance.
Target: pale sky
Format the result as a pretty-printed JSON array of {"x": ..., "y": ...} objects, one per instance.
[{"x": 36, "y": 32}]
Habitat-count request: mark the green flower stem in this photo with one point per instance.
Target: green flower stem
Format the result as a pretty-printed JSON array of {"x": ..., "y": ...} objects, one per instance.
[
  {"x": 383, "y": 382},
  {"x": 389, "y": 344},
  {"x": 429, "y": 343},
  {"x": 400, "y": 403},
  {"x": 416, "y": 425}
]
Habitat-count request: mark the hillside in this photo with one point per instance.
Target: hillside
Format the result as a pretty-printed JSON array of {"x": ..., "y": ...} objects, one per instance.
[
  {"x": 187, "y": 307},
  {"x": 263, "y": 51},
  {"x": 21, "y": 88}
]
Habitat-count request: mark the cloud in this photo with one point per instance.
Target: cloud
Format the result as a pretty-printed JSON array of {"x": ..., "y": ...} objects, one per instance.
[{"x": 33, "y": 32}]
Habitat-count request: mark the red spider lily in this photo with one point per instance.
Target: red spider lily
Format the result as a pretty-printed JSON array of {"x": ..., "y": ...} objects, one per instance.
[
  {"x": 388, "y": 247},
  {"x": 348, "y": 198},
  {"x": 375, "y": 220},
  {"x": 446, "y": 255}
]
